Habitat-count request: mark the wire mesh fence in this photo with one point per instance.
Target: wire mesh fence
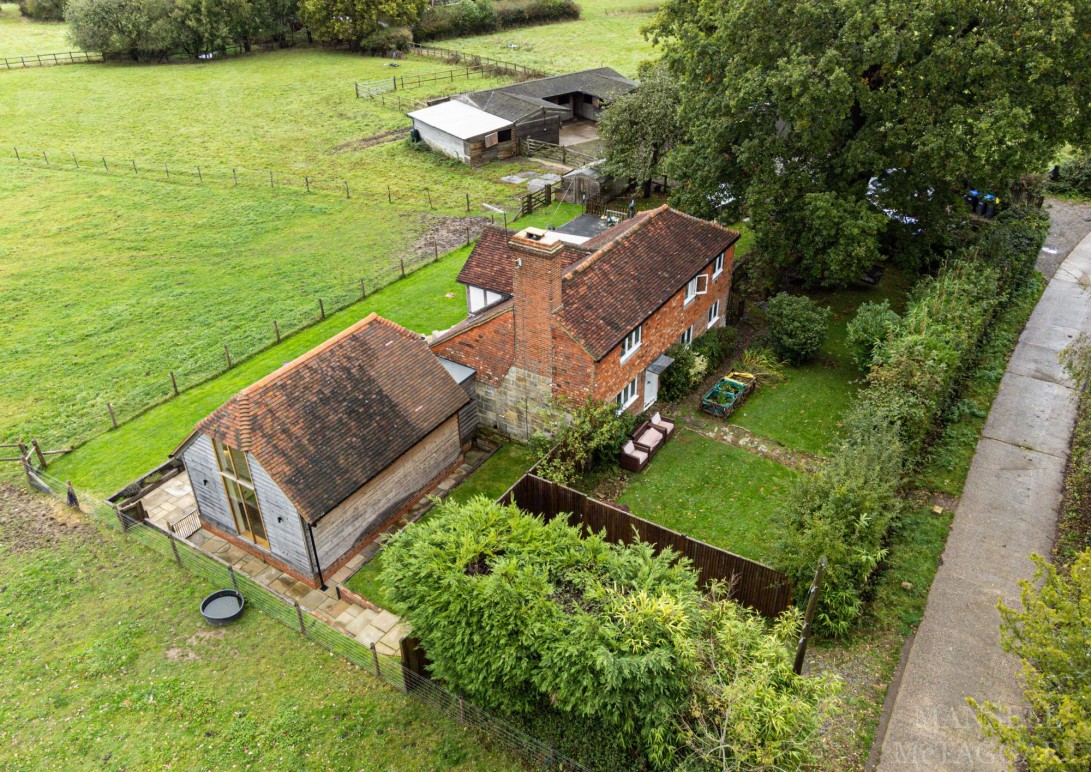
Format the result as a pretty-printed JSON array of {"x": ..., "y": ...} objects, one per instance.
[
  {"x": 418, "y": 198},
  {"x": 288, "y": 612}
]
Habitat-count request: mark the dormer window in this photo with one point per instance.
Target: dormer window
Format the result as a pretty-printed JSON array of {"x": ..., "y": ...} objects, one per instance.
[
  {"x": 478, "y": 299},
  {"x": 632, "y": 342},
  {"x": 718, "y": 265}
]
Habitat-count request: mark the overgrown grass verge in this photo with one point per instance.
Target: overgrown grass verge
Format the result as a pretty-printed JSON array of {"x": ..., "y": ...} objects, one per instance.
[
  {"x": 948, "y": 459},
  {"x": 1074, "y": 523}
]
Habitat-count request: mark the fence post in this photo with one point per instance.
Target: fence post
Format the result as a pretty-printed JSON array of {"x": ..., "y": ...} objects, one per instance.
[
  {"x": 235, "y": 176},
  {"x": 38, "y": 452},
  {"x": 427, "y": 191},
  {"x": 70, "y": 498},
  {"x": 200, "y": 177},
  {"x": 174, "y": 383},
  {"x": 174, "y": 548},
  {"x": 299, "y": 616},
  {"x": 375, "y": 659},
  {"x": 234, "y": 581},
  {"x": 46, "y": 158},
  {"x": 133, "y": 160},
  {"x": 271, "y": 185},
  {"x": 75, "y": 160},
  {"x": 276, "y": 329},
  {"x": 307, "y": 182},
  {"x": 402, "y": 261},
  {"x": 363, "y": 290},
  {"x": 321, "y": 309},
  {"x": 808, "y": 617},
  {"x": 389, "y": 198},
  {"x": 467, "y": 202},
  {"x": 435, "y": 249},
  {"x": 104, "y": 166},
  {"x": 347, "y": 194},
  {"x": 227, "y": 354},
  {"x": 113, "y": 420}
]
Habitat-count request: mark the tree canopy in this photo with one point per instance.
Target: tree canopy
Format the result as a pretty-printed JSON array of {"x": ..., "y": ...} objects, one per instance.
[
  {"x": 351, "y": 21},
  {"x": 814, "y": 115}
]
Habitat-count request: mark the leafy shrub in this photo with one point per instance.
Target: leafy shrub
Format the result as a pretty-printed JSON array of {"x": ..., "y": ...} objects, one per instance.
[
  {"x": 1049, "y": 635},
  {"x": 748, "y": 709},
  {"x": 43, "y": 10},
  {"x": 478, "y": 17},
  {"x": 582, "y": 438},
  {"x": 387, "y": 39},
  {"x": 516, "y": 614},
  {"x": 872, "y": 326},
  {"x": 797, "y": 327},
  {"x": 684, "y": 374},
  {"x": 844, "y": 512},
  {"x": 716, "y": 345},
  {"x": 526, "y": 617},
  {"x": 1073, "y": 176},
  {"x": 763, "y": 364}
]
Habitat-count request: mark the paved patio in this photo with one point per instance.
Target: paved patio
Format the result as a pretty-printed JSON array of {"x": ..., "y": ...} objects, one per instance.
[
  {"x": 578, "y": 131},
  {"x": 174, "y": 500}
]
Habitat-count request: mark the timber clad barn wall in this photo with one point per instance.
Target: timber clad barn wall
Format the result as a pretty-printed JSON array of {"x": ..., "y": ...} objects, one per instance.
[
  {"x": 767, "y": 591},
  {"x": 370, "y": 507}
]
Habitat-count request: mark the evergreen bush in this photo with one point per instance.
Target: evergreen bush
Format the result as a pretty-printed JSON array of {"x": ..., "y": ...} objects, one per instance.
[
  {"x": 797, "y": 327},
  {"x": 873, "y": 324}
]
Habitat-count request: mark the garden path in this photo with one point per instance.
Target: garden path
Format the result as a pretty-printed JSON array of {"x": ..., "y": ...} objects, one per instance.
[
  {"x": 744, "y": 439},
  {"x": 1007, "y": 512}
]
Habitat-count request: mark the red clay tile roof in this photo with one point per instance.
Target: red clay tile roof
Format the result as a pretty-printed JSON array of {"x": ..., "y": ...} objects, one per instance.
[
  {"x": 634, "y": 273},
  {"x": 326, "y": 423},
  {"x": 490, "y": 265}
]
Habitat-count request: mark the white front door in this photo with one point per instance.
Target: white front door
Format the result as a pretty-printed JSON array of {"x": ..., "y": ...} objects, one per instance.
[{"x": 651, "y": 388}]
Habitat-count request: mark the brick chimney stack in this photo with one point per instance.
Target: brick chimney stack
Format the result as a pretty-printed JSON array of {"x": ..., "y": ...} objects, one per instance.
[{"x": 537, "y": 283}]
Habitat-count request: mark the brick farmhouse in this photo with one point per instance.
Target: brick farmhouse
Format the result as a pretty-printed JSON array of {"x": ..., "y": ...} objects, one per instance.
[
  {"x": 308, "y": 465},
  {"x": 549, "y": 318}
]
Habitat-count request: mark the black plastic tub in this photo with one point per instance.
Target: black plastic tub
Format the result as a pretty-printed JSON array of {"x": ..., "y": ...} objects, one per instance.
[{"x": 222, "y": 607}]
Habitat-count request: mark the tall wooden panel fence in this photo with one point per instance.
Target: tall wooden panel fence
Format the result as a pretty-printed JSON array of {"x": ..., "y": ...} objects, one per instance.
[{"x": 764, "y": 589}]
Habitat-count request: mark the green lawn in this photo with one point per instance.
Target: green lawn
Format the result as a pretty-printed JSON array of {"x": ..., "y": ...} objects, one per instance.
[
  {"x": 106, "y": 663},
  {"x": 595, "y": 40},
  {"x": 712, "y": 492},
  {"x": 20, "y": 36},
  {"x": 804, "y": 411},
  {"x": 491, "y": 480},
  {"x": 424, "y": 301}
]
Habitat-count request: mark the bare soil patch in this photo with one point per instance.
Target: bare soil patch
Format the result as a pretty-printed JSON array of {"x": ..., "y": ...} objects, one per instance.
[
  {"x": 447, "y": 233},
  {"x": 363, "y": 143},
  {"x": 29, "y": 521}
]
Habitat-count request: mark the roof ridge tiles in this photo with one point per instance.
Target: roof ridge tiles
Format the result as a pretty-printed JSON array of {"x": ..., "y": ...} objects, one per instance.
[
  {"x": 597, "y": 255},
  {"x": 303, "y": 359}
]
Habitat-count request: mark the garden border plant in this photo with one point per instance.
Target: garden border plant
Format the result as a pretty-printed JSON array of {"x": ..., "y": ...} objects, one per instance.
[{"x": 847, "y": 509}]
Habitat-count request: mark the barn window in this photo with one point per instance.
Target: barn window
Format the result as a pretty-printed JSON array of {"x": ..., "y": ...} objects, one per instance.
[
  {"x": 504, "y": 135},
  {"x": 491, "y": 140}
]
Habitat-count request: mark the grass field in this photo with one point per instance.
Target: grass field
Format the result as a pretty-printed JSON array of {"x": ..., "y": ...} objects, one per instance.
[
  {"x": 596, "y": 40},
  {"x": 426, "y": 300},
  {"x": 491, "y": 479},
  {"x": 20, "y": 36},
  {"x": 106, "y": 663},
  {"x": 113, "y": 277},
  {"x": 804, "y": 411},
  {"x": 712, "y": 492}
]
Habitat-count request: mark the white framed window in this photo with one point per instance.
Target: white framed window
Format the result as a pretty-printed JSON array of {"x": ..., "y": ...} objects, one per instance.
[
  {"x": 718, "y": 265},
  {"x": 627, "y": 396},
  {"x": 632, "y": 342},
  {"x": 478, "y": 299},
  {"x": 714, "y": 313},
  {"x": 698, "y": 285},
  {"x": 687, "y": 336}
]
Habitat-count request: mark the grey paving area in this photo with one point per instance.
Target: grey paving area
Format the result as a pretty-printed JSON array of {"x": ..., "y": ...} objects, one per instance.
[{"x": 1008, "y": 510}]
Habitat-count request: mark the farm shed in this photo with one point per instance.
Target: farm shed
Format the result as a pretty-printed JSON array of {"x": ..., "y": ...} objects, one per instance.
[
  {"x": 464, "y": 132},
  {"x": 308, "y": 465}
]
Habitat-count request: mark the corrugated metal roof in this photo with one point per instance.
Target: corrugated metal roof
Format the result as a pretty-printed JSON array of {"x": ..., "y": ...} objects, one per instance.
[{"x": 459, "y": 120}]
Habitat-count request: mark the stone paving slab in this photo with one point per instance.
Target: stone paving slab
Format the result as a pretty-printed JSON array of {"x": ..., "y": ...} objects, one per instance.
[{"x": 1008, "y": 511}]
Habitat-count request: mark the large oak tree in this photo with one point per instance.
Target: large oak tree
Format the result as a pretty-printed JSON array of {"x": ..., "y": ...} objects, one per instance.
[{"x": 793, "y": 107}]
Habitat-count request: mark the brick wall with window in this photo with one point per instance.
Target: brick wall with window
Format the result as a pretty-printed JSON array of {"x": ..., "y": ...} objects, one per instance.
[{"x": 662, "y": 330}]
